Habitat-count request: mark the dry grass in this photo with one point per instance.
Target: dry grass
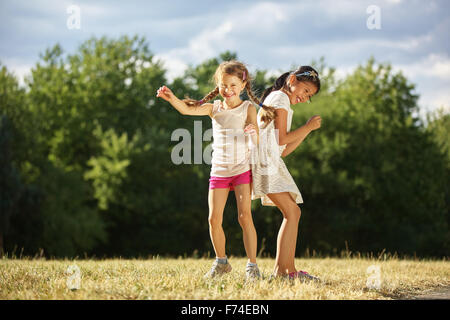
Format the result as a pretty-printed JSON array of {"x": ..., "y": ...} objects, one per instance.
[{"x": 183, "y": 279}]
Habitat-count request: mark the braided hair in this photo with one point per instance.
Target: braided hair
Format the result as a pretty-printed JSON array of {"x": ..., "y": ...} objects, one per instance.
[
  {"x": 239, "y": 70},
  {"x": 234, "y": 68}
]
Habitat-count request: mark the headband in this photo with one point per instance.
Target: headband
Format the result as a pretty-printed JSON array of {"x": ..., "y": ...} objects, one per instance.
[{"x": 307, "y": 73}]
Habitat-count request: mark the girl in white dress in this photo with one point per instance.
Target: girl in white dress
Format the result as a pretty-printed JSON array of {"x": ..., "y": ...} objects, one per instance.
[{"x": 272, "y": 181}]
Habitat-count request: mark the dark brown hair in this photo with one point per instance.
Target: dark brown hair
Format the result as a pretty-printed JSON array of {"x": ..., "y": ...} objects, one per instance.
[{"x": 304, "y": 73}]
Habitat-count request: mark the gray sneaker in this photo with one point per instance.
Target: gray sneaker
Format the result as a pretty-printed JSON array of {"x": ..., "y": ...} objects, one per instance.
[
  {"x": 218, "y": 269},
  {"x": 252, "y": 273}
]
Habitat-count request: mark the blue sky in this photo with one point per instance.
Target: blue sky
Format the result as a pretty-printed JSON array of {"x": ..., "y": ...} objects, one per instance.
[{"x": 274, "y": 35}]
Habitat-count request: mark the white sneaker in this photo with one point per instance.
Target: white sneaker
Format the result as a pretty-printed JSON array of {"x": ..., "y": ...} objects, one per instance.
[
  {"x": 218, "y": 269},
  {"x": 252, "y": 272}
]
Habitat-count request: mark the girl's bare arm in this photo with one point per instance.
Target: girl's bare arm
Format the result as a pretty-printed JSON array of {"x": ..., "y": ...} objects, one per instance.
[
  {"x": 202, "y": 110},
  {"x": 251, "y": 122},
  {"x": 293, "y": 138},
  {"x": 290, "y": 147}
]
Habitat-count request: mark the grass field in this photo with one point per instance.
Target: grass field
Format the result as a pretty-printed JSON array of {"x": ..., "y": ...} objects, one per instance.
[{"x": 160, "y": 278}]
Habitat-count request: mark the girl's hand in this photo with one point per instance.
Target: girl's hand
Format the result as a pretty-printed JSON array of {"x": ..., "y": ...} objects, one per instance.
[
  {"x": 250, "y": 129},
  {"x": 314, "y": 123},
  {"x": 165, "y": 93}
]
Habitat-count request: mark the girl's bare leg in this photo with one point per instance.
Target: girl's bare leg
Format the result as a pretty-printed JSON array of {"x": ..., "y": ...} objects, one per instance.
[
  {"x": 287, "y": 236},
  {"x": 244, "y": 204},
  {"x": 217, "y": 199}
]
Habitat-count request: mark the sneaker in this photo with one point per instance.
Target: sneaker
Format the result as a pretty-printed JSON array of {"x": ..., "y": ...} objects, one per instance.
[
  {"x": 303, "y": 276},
  {"x": 252, "y": 272},
  {"x": 218, "y": 269}
]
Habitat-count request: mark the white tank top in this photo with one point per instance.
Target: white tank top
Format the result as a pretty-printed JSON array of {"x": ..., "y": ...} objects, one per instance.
[{"x": 231, "y": 154}]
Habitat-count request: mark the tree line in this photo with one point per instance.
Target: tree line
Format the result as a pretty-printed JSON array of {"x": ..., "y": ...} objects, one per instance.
[{"x": 85, "y": 167}]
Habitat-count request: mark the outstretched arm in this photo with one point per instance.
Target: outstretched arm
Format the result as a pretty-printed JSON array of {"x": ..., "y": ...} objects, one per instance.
[{"x": 167, "y": 94}]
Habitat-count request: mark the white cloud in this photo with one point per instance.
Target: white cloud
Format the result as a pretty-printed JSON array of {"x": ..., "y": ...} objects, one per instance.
[
  {"x": 208, "y": 42},
  {"x": 442, "y": 99},
  {"x": 431, "y": 67},
  {"x": 343, "y": 7},
  {"x": 175, "y": 67},
  {"x": 343, "y": 71},
  {"x": 344, "y": 54},
  {"x": 262, "y": 15},
  {"x": 394, "y": 1},
  {"x": 19, "y": 68},
  {"x": 407, "y": 44},
  {"x": 432, "y": 100},
  {"x": 256, "y": 19},
  {"x": 201, "y": 47}
]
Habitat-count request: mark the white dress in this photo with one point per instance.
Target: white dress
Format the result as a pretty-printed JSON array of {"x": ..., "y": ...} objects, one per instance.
[{"x": 269, "y": 172}]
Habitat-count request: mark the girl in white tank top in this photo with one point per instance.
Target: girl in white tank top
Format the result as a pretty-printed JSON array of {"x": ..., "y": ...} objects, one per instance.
[
  {"x": 230, "y": 168},
  {"x": 231, "y": 154}
]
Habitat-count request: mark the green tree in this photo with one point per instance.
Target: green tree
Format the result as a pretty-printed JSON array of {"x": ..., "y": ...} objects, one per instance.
[
  {"x": 111, "y": 81},
  {"x": 438, "y": 124},
  {"x": 10, "y": 184},
  {"x": 107, "y": 82}
]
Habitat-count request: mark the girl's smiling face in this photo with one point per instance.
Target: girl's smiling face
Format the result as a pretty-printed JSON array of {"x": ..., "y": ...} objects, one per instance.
[
  {"x": 300, "y": 91},
  {"x": 230, "y": 87}
]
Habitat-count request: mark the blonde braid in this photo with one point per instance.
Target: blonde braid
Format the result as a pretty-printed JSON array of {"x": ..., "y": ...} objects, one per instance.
[
  {"x": 268, "y": 113},
  {"x": 195, "y": 103}
]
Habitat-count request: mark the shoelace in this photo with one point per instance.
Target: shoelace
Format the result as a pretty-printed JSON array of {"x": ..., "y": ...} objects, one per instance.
[
  {"x": 253, "y": 272},
  {"x": 251, "y": 269}
]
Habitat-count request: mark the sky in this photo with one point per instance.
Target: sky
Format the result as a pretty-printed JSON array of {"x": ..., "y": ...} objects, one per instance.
[{"x": 412, "y": 35}]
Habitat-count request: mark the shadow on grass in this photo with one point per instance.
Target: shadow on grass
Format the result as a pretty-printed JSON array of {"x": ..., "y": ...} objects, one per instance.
[{"x": 433, "y": 293}]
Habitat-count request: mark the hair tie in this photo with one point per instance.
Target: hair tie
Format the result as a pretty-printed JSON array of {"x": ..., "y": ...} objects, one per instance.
[
  {"x": 244, "y": 76},
  {"x": 261, "y": 104},
  {"x": 201, "y": 101}
]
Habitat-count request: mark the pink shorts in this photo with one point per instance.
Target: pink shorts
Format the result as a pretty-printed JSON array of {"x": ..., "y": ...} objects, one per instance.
[{"x": 230, "y": 182}]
